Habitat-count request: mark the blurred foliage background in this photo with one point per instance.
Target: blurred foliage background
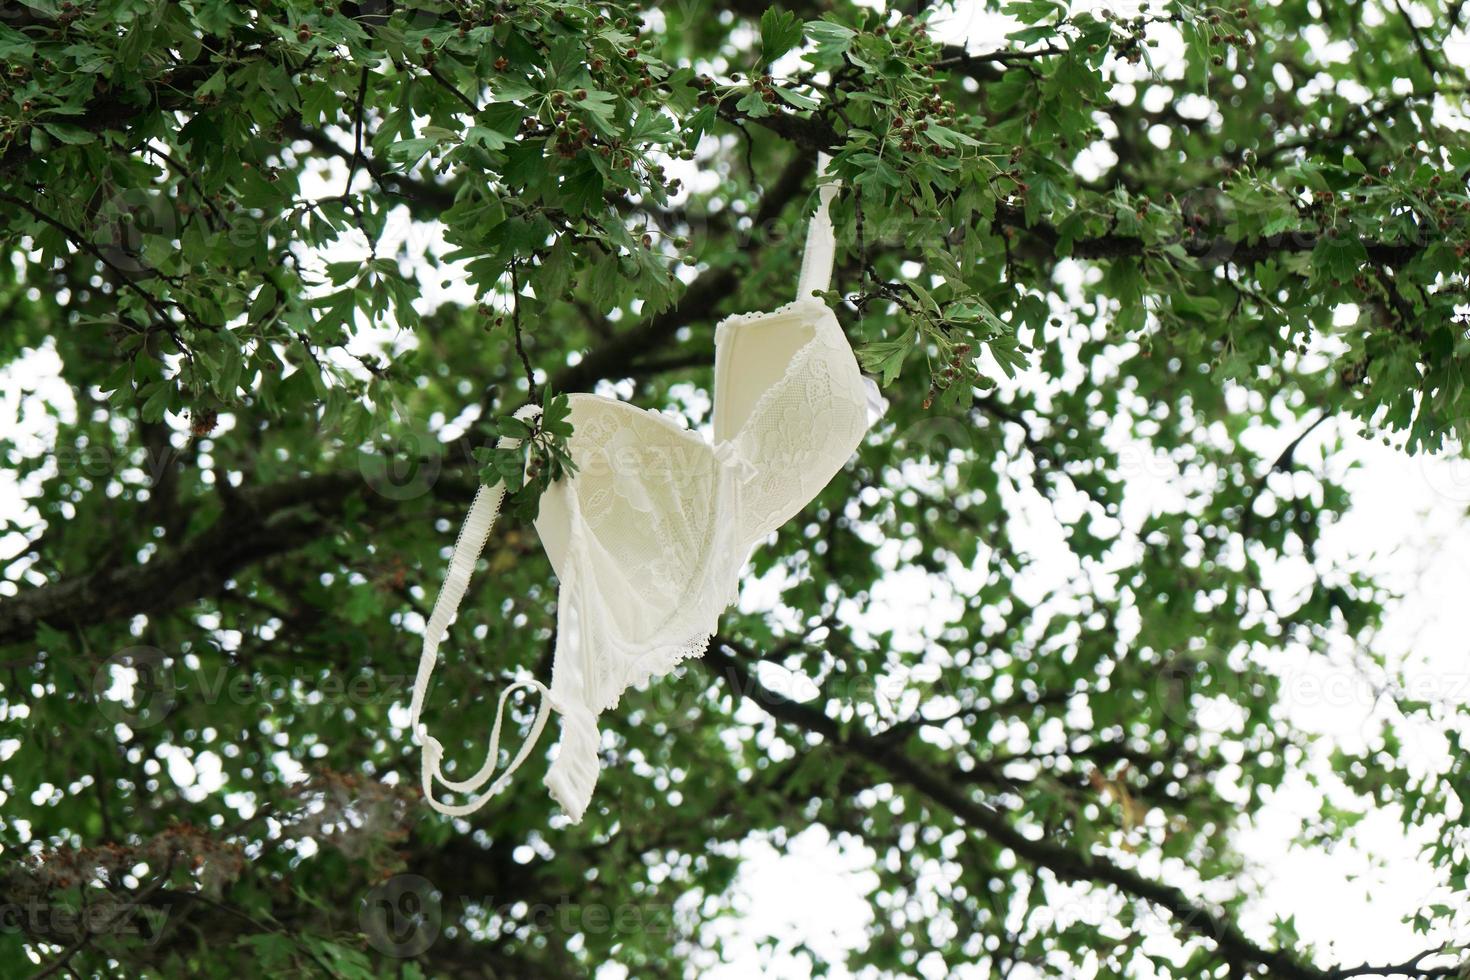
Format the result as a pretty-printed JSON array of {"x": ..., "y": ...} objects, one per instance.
[{"x": 277, "y": 270}]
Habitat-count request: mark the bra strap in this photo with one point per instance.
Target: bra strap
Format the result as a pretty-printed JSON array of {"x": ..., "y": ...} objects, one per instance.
[
  {"x": 467, "y": 548},
  {"x": 821, "y": 246}
]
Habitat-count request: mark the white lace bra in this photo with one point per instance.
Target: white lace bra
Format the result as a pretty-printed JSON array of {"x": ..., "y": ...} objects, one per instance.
[{"x": 648, "y": 537}]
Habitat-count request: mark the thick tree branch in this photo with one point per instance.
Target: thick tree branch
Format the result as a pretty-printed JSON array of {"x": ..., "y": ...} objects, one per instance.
[
  {"x": 120, "y": 110},
  {"x": 1216, "y": 250},
  {"x": 276, "y": 519},
  {"x": 945, "y": 789},
  {"x": 1409, "y": 968},
  {"x": 700, "y": 301},
  {"x": 260, "y": 523},
  {"x": 808, "y": 132}
]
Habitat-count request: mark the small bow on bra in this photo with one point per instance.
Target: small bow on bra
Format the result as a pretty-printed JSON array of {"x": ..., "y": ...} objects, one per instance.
[{"x": 648, "y": 537}]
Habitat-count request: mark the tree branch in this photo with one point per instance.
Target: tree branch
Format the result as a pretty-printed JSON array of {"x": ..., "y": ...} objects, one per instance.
[
  {"x": 84, "y": 245},
  {"x": 276, "y": 519},
  {"x": 263, "y": 522},
  {"x": 1410, "y": 968},
  {"x": 943, "y": 788},
  {"x": 700, "y": 300},
  {"x": 1213, "y": 251}
]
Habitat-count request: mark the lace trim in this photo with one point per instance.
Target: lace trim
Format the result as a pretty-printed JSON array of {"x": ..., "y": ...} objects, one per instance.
[
  {"x": 797, "y": 363},
  {"x": 800, "y": 304},
  {"x": 656, "y": 663}
]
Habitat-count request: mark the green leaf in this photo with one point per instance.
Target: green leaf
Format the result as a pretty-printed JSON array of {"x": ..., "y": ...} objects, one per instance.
[
  {"x": 525, "y": 164},
  {"x": 652, "y": 126},
  {"x": 875, "y": 172},
  {"x": 795, "y": 98},
  {"x": 406, "y": 153},
  {"x": 1007, "y": 352},
  {"x": 753, "y": 105},
  {"x": 483, "y": 136},
  {"x": 156, "y": 403},
  {"x": 214, "y": 85},
  {"x": 832, "y": 41},
  {"x": 697, "y": 125},
  {"x": 581, "y": 187},
  {"x": 69, "y": 134},
  {"x": 599, "y": 103},
  {"x": 514, "y": 428},
  {"x": 512, "y": 90},
  {"x": 885, "y": 357},
  {"x": 1033, "y": 11},
  {"x": 781, "y": 31}
]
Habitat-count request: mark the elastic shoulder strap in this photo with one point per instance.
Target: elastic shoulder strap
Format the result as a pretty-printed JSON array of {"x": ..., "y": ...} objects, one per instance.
[
  {"x": 467, "y": 548},
  {"x": 821, "y": 246}
]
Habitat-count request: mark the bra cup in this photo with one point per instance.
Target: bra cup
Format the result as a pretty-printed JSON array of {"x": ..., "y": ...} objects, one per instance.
[
  {"x": 554, "y": 524},
  {"x": 753, "y": 356},
  {"x": 802, "y": 429},
  {"x": 643, "y": 499},
  {"x": 649, "y": 534},
  {"x": 651, "y": 497}
]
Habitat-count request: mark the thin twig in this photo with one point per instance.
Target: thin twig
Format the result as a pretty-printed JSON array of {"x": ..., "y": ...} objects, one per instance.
[
  {"x": 1425, "y": 55},
  {"x": 362, "y": 85},
  {"x": 515, "y": 319},
  {"x": 80, "y": 242},
  {"x": 1000, "y": 57},
  {"x": 193, "y": 180},
  {"x": 469, "y": 103}
]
